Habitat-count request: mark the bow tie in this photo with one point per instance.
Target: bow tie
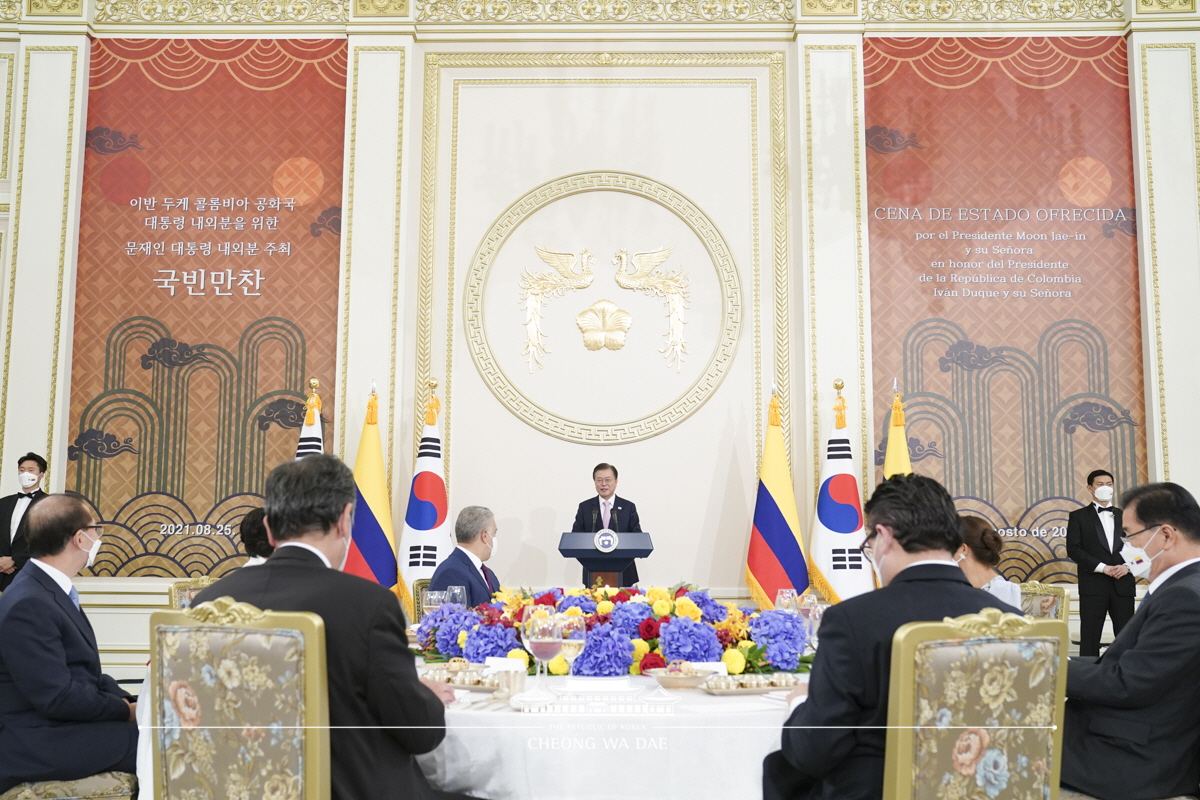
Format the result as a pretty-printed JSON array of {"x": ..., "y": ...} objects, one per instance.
[{"x": 1109, "y": 509}]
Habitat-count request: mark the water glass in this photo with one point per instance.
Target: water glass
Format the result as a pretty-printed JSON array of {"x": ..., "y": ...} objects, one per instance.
[
  {"x": 785, "y": 600},
  {"x": 456, "y": 594},
  {"x": 433, "y": 601},
  {"x": 574, "y": 633}
]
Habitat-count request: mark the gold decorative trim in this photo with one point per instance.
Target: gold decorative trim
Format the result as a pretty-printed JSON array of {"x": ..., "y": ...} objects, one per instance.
[
  {"x": 429, "y": 160},
  {"x": 5, "y": 208},
  {"x": 176, "y": 589},
  {"x": 993, "y": 10},
  {"x": 380, "y": 8},
  {"x": 9, "y": 68},
  {"x": 224, "y": 611},
  {"x": 1038, "y": 589},
  {"x": 10, "y": 10},
  {"x": 257, "y": 12},
  {"x": 349, "y": 239},
  {"x": 544, "y": 420},
  {"x": 779, "y": 228},
  {"x": 829, "y": 8},
  {"x": 676, "y": 11},
  {"x": 62, "y": 246},
  {"x": 1166, "y": 6},
  {"x": 1154, "y": 278},
  {"x": 54, "y": 8},
  {"x": 990, "y": 622}
]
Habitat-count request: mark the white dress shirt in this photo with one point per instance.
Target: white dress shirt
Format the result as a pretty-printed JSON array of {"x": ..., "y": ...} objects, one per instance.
[
  {"x": 478, "y": 562},
  {"x": 1168, "y": 572},
  {"x": 57, "y": 575},
  {"x": 1003, "y": 589},
  {"x": 1107, "y": 520},
  {"x": 612, "y": 507},
  {"x": 23, "y": 502}
]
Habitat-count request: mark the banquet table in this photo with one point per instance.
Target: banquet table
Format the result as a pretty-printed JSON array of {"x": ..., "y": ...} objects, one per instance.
[{"x": 689, "y": 744}]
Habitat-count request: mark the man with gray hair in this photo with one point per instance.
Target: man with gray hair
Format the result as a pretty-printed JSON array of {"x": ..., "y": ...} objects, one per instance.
[
  {"x": 475, "y": 532},
  {"x": 380, "y": 713}
]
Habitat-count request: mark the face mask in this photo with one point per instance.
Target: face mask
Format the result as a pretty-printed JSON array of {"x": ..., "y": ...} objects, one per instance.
[
  {"x": 1136, "y": 558},
  {"x": 93, "y": 550},
  {"x": 492, "y": 547},
  {"x": 960, "y": 559},
  {"x": 1104, "y": 494},
  {"x": 28, "y": 479}
]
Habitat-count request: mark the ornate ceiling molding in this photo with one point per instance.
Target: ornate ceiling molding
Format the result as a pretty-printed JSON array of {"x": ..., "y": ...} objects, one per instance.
[
  {"x": 220, "y": 11},
  {"x": 994, "y": 10},
  {"x": 607, "y": 11}
]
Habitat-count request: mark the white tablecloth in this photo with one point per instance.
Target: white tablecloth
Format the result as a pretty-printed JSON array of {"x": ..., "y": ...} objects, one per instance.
[{"x": 705, "y": 747}]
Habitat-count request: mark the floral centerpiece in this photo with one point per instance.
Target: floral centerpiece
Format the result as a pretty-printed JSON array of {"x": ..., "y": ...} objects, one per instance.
[{"x": 627, "y": 630}]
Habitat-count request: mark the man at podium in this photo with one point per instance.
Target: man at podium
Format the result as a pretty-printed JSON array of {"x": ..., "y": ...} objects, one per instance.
[{"x": 606, "y": 510}]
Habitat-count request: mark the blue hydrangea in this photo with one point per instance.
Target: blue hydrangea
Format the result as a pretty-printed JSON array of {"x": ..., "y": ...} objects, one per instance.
[
  {"x": 627, "y": 617},
  {"x": 584, "y": 603},
  {"x": 490, "y": 641},
  {"x": 747, "y": 610},
  {"x": 991, "y": 773},
  {"x": 712, "y": 610},
  {"x": 451, "y": 625},
  {"x": 783, "y": 635},
  {"x": 433, "y": 620},
  {"x": 607, "y": 653},
  {"x": 681, "y": 639}
]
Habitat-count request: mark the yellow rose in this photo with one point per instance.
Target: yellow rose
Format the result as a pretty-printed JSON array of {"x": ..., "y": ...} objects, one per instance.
[
  {"x": 605, "y": 607},
  {"x": 685, "y": 607},
  {"x": 745, "y": 645},
  {"x": 662, "y": 608},
  {"x": 574, "y": 611},
  {"x": 462, "y": 638},
  {"x": 558, "y": 665},
  {"x": 658, "y": 593},
  {"x": 640, "y": 648},
  {"x": 735, "y": 662},
  {"x": 519, "y": 654}
]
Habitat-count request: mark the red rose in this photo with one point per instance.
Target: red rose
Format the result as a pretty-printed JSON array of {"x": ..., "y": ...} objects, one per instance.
[
  {"x": 652, "y": 661},
  {"x": 648, "y": 629},
  {"x": 621, "y": 597},
  {"x": 547, "y": 599},
  {"x": 681, "y": 591}
]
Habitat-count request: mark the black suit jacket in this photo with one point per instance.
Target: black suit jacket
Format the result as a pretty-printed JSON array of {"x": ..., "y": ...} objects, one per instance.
[
  {"x": 372, "y": 673},
  {"x": 457, "y": 570},
  {"x": 623, "y": 517},
  {"x": 849, "y": 685},
  {"x": 60, "y": 717},
  {"x": 1084, "y": 547},
  {"x": 1133, "y": 715},
  {"x": 14, "y": 546}
]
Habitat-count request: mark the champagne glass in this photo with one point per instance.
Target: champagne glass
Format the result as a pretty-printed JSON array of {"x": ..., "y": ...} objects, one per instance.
[
  {"x": 785, "y": 600},
  {"x": 456, "y": 594},
  {"x": 545, "y": 639},
  {"x": 574, "y": 635}
]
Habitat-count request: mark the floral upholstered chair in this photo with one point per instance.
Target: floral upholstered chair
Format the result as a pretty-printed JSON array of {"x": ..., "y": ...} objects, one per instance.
[
  {"x": 975, "y": 710},
  {"x": 241, "y": 707},
  {"x": 1071, "y": 794},
  {"x": 1043, "y": 601},
  {"x": 182, "y": 592},
  {"x": 105, "y": 786}
]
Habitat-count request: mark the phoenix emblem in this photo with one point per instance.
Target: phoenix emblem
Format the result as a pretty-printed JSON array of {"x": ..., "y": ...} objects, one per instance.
[
  {"x": 673, "y": 287},
  {"x": 537, "y": 288}
]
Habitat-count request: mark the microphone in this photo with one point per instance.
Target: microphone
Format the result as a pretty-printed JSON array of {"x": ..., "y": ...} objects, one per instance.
[{"x": 595, "y": 513}]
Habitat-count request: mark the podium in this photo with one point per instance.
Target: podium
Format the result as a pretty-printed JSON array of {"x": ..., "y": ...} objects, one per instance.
[{"x": 607, "y": 564}]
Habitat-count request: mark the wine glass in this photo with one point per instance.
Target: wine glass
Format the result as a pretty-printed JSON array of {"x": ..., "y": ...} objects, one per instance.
[
  {"x": 785, "y": 600},
  {"x": 456, "y": 594},
  {"x": 433, "y": 601},
  {"x": 574, "y": 634},
  {"x": 814, "y": 622},
  {"x": 544, "y": 635},
  {"x": 808, "y": 604}
]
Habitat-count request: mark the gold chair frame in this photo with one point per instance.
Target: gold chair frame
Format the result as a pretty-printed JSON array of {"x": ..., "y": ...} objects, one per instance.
[
  {"x": 226, "y": 612},
  {"x": 1035, "y": 588},
  {"x": 419, "y": 587},
  {"x": 178, "y": 588},
  {"x": 902, "y": 704}
]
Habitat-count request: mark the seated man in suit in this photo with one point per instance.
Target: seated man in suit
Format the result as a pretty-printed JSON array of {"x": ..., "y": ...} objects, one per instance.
[
  {"x": 380, "y": 712},
  {"x": 475, "y": 532},
  {"x": 833, "y": 744},
  {"x": 1094, "y": 543},
  {"x": 606, "y": 510},
  {"x": 14, "y": 552},
  {"x": 60, "y": 717},
  {"x": 1132, "y": 727}
]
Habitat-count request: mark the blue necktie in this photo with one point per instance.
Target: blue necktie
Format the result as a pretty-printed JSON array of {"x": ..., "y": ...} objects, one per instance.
[{"x": 74, "y": 595}]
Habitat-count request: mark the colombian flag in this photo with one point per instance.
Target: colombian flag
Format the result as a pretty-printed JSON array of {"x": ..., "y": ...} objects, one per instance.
[
  {"x": 776, "y": 558},
  {"x": 373, "y": 545}
]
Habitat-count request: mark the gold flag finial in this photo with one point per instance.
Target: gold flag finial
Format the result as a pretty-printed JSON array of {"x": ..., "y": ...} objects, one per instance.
[
  {"x": 897, "y": 406},
  {"x": 775, "y": 414},
  {"x": 372, "y": 408},
  {"x": 312, "y": 405},
  {"x": 839, "y": 407},
  {"x": 432, "y": 405}
]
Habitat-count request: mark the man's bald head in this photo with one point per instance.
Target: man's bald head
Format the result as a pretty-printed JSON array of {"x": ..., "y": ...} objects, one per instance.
[{"x": 53, "y": 521}]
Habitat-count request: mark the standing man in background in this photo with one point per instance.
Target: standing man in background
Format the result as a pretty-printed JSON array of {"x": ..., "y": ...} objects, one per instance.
[
  {"x": 1105, "y": 585},
  {"x": 14, "y": 551},
  {"x": 606, "y": 510}
]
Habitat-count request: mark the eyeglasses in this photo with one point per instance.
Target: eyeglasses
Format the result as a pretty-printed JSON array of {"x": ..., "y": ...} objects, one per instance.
[
  {"x": 1125, "y": 538},
  {"x": 866, "y": 547}
]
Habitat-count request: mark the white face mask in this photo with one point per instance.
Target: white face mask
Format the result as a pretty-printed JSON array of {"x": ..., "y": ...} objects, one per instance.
[
  {"x": 1136, "y": 558},
  {"x": 1104, "y": 494},
  {"x": 93, "y": 550},
  {"x": 961, "y": 558},
  {"x": 28, "y": 479},
  {"x": 492, "y": 547}
]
